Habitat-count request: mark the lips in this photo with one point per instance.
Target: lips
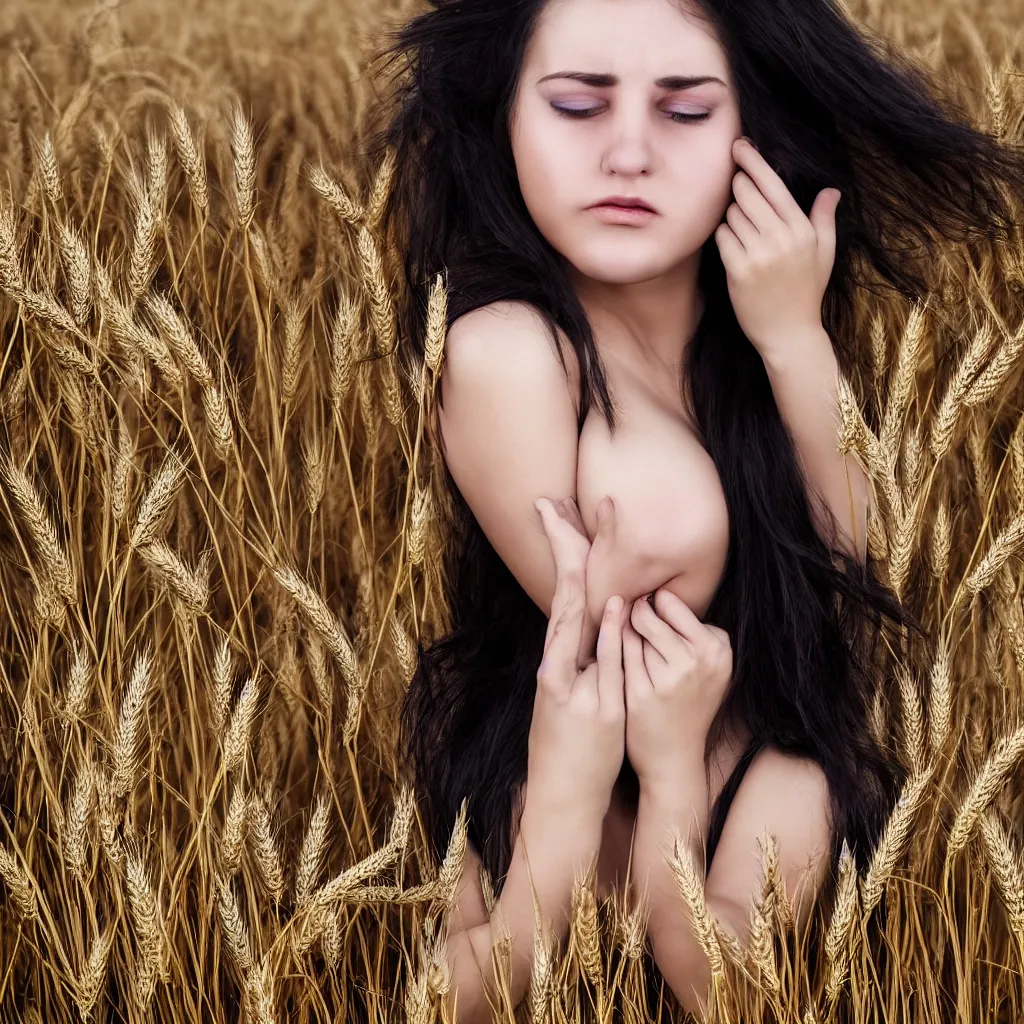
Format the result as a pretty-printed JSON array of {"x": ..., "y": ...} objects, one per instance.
[{"x": 625, "y": 203}]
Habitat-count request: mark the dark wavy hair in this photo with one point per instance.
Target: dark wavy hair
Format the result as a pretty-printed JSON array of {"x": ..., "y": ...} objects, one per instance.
[{"x": 827, "y": 106}]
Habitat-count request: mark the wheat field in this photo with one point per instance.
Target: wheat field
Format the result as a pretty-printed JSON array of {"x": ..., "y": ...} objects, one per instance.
[{"x": 221, "y": 526}]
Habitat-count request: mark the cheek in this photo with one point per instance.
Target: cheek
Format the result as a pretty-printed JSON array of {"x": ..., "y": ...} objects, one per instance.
[{"x": 540, "y": 160}]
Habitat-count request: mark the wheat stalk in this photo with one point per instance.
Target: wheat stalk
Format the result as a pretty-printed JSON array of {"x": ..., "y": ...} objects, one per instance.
[
  {"x": 913, "y": 718},
  {"x": 436, "y": 327},
  {"x": 107, "y": 799},
  {"x": 179, "y": 337},
  {"x": 316, "y": 656},
  {"x": 89, "y": 983},
  {"x": 135, "y": 340},
  {"x": 294, "y": 322},
  {"x": 837, "y": 938},
  {"x": 76, "y": 820},
  {"x": 381, "y": 304},
  {"x": 157, "y": 500},
  {"x": 244, "y": 154},
  {"x": 222, "y": 676},
  {"x": 1006, "y": 544},
  {"x": 129, "y": 721},
  {"x": 404, "y": 647},
  {"x": 143, "y": 251},
  {"x": 22, "y": 890},
  {"x": 419, "y": 525},
  {"x": 323, "y": 621},
  {"x": 1008, "y": 868},
  {"x": 382, "y": 182},
  {"x": 344, "y": 885},
  {"x": 268, "y": 856},
  {"x": 995, "y": 375},
  {"x": 941, "y": 698},
  {"x": 907, "y": 358},
  {"x": 77, "y": 271},
  {"x": 10, "y": 263},
  {"x": 145, "y": 911},
  {"x": 233, "y": 922},
  {"x": 192, "y": 586},
  {"x": 1016, "y": 450},
  {"x": 236, "y": 740},
  {"x": 953, "y": 399},
  {"x": 313, "y": 471},
  {"x": 157, "y": 168},
  {"x": 49, "y": 170},
  {"x": 76, "y": 692},
  {"x": 233, "y": 833},
  {"x": 190, "y": 156},
  {"x": 222, "y": 433},
  {"x": 893, "y": 842},
  {"x": 994, "y": 773},
  {"x": 451, "y": 867},
  {"x": 762, "y": 942},
  {"x": 941, "y": 542},
  {"x": 541, "y": 969},
  {"x": 774, "y": 883},
  {"x": 334, "y": 194},
  {"x": 311, "y": 854},
  {"x": 56, "y": 564},
  {"x": 584, "y": 934},
  {"x": 343, "y": 327},
  {"x": 691, "y": 888},
  {"x": 261, "y": 993}
]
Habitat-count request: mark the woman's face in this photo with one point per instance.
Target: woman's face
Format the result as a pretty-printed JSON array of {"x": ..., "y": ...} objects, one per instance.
[{"x": 629, "y": 143}]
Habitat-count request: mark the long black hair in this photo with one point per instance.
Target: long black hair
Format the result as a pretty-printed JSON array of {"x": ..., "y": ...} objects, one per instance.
[{"x": 827, "y": 106}]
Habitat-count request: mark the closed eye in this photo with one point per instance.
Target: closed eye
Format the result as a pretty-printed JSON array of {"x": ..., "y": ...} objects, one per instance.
[{"x": 676, "y": 115}]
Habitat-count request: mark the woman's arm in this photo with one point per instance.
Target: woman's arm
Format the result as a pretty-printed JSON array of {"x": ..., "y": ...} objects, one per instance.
[
  {"x": 804, "y": 378},
  {"x": 784, "y": 794},
  {"x": 551, "y": 847}
]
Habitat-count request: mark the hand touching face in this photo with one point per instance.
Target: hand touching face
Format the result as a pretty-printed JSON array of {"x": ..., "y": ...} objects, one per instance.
[{"x": 778, "y": 260}]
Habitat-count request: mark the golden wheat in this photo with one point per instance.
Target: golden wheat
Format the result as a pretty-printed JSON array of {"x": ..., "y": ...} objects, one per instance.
[
  {"x": 1002, "y": 762},
  {"x": 164, "y": 326},
  {"x": 895, "y": 837},
  {"x": 691, "y": 888},
  {"x": 125, "y": 756}
]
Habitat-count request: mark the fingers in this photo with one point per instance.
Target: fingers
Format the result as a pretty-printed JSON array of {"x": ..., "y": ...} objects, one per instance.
[
  {"x": 610, "y": 676},
  {"x": 569, "y": 582},
  {"x": 678, "y": 614},
  {"x": 606, "y": 516},
  {"x": 658, "y": 633},
  {"x": 565, "y": 624},
  {"x": 637, "y": 678}
]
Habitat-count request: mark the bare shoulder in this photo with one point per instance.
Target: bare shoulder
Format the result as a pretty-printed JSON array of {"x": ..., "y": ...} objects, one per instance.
[
  {"x": 511, "y": 328},
  {"x": 792, "y": 794},
  {"x": 774, "y": 765}
]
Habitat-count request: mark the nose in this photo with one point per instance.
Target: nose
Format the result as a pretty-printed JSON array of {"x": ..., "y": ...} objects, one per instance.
[{"x": 629, "y": 151}]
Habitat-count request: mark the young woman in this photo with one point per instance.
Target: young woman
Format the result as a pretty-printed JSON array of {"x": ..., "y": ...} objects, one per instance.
[{"x": 667, "y": 379}]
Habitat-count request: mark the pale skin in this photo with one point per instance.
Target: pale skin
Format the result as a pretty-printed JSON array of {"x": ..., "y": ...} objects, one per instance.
[{"x": 638, "y": 285}]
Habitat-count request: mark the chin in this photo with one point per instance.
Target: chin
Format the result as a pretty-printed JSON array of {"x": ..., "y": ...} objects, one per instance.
[{"x": 619, "y": 270}]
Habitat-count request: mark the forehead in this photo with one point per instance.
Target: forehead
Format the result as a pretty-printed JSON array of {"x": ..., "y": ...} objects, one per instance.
[{"x": 641, "y": 39}]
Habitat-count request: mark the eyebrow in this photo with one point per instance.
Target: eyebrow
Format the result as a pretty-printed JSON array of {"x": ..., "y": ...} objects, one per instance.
[{"x": 600, "y": 81}]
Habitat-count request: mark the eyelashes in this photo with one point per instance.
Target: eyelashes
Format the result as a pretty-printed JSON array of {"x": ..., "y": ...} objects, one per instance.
[{"x": 678, "y": 116}]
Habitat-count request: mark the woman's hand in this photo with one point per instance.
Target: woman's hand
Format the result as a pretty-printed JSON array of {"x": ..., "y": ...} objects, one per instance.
[
  {"x": 590, "y": 559},
  {"x": 577, "y": 734},
  {"x": 777, "y": 260},
  {"x": 677, "y": 670}
]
